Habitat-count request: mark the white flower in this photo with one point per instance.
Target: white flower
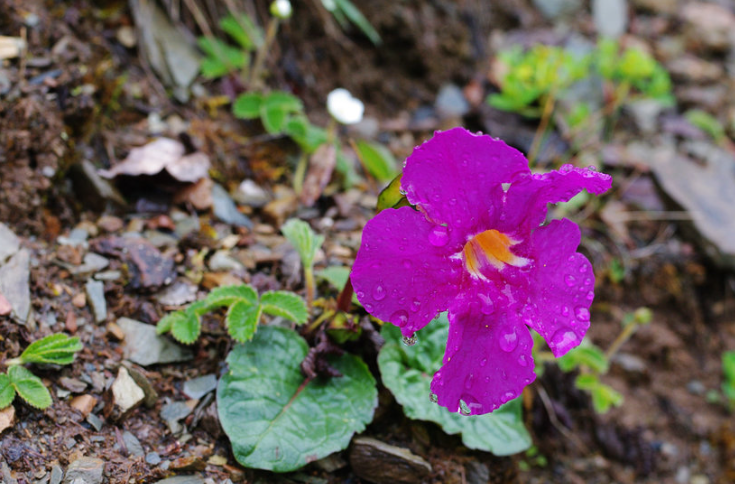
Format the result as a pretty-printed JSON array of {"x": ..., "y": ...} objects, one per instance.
[
  {"x": 281, "y": 9},
  {"x": 329, "y": 5},
  {"x": 343, "y": 107}
]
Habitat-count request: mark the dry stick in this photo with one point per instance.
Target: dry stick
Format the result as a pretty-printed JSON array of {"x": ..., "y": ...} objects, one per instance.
[
  {"x": 558, "y": 425},
  {"x": 270, "y": 34},
  {"x": 542, "y": 127},
  {"x": 199, "y": 17},
  {"x": 624, "y": 336}
]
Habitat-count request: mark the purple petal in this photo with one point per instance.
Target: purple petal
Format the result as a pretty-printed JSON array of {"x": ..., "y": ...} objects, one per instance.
[
  {"x": 487, "y": 362},
  {"x": 400, "y": 275},
  {"x": 563, "y": 287},
  {"x": 456, "y": 177},
  {"x": 526, "y": 201}
]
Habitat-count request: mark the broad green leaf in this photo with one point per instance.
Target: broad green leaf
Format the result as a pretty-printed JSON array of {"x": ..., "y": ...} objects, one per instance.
[
  {"x": 165, "y": 324},
  {"x": 283, "y": 100},
  {"x": 728, "y": 365},
  {"x": 603, "y": 396},
  {"x": 29, "y": 387},
  {"x": 243, "y": 30},
  {"x": 706, "y": 122},
  {"x": 391, "y": 196},
  {"x": 276, "y": 419},
  {"x": 247, "y": 106},
  {"x": 357, "y": 18},
  {"x": 228, "y": 295},
  {"x": 303, "y": 238},
  {"x": 186, "y": 328},
  {"x": 407, "y": 373},
  {"x": 221, "y": 58},
  {"x": 378, "y": 160},
  {"x": 242, "y": 320},
  {"x": 273, "y": 118},
  {"x": 58, "y": 349},
  {"x": 335, "y": 275},
  {"x": 587, "y": 355},
  {"x": 7, "y": 392},
  {"x": 286, "y": 305}
]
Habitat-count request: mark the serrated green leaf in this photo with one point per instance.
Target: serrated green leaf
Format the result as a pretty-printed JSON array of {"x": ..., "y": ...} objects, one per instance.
[
  {"x": 228, "y": 295},
  {"x": 58, "y": 349},
  {"x": 243, "y": 30},
  {"x": 283, "y": 100},
  {"x": 278, "y": 421},
  {"x": 303, "y": 238},
  {"x": 286, "y": 305},
  {"x": 221, "y": 58},
  {"x": 186, "y": 329},
  {"x": 29, "y": 387},
  {"x": 357, "y": 18},
  {"x": 728, "y": 365},
  {"x": 587, "y": 355},
  {"x": 242, "y": 320},
  {"x": 165, "y": 324},
  {"x": 273, "y": 118},
  {"x": 335, "y": 275},
  {"x": 378, "y": 160},
  {"x": 407, "y": 373},
  {"x": 7, "y": 392},
  {"x": 247, "y": 106}
]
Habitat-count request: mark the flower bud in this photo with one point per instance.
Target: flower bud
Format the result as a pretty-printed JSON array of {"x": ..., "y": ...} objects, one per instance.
[
  {"x": 345, "y": 108},
  {"x": 281, "y": 9}
]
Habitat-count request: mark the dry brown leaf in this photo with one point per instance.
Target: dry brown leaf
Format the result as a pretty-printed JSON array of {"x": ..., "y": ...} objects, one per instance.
[{"x": 321, "y": 167}]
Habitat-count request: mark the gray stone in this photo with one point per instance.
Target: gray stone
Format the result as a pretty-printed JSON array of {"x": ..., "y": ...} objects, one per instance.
[
  {"x": 95, "y": 192},
  {"x": 143, "y": 346},
  {"x": 57, "y": 474},
  {"x": 9, "y": 243},
  {"x": 172, "y": 413},
  {"x": 96, "y": 298},
  {"x": 151, "y": 395},
  {"x": 77, "y": 237},
  {"x": 178, "y": 293},
  {"x": 611, "y": 17},
  {"x": 14, "y": 284},
  {"x": 225, "y": 209},
  {"x": 182, "y": 480},
  {"x": 554, "y": 9},
  {"x": 187, "y": 225},
  {"x": 153, "y": 458},
  {"x": 133, "y": 444},
  {"x": 380, "y": 463},
  {"x": 645, "y": 114},
  {"x": 451, "y": 103},
  {"x": 251, "y": 194},
  {"x": 92, "y": 263},
  {"x": 477, "y": 473},
  {"x": 200, "y": 386},
  {"x": 222, "y": 261},
  {"x": 108, "y": 276},
  {"x": 95, "y": 421},
  {"x": 126, "y": 394},
  {"x": 87, "y": 470}
]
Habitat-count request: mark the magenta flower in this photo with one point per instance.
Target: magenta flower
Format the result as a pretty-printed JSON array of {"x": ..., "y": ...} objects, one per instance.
[{"x": 476, "y": 247}]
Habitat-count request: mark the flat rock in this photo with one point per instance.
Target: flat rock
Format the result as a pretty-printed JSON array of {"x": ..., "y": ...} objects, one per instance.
[
  {"x": 14, "y": 284},
  {"x": 702, "y": 181},
  {"x": 200, "y": 386},
  {"x": 126, "y": 394},
  {"x": 178, "y": 293},
  {"x": 252, "y": 194},
  {"x": 133, "y": 445},
  {"x": 91, "y": 263},
  {"x": 9, "y": 243},
  {"x": 87, "y": 470},
  {"x": 95, "y": 192},
  {"x": 225, "y": 209},
  {"x": 611, "y": 17},
  {"x": 708, "y": 26},
  {"x": 182, "y": 480},
  {"x": 96, "y": 297},
  {"x": 84, "y": 404},
  {"x": 147, "y": 267},
  {"x": 380, "y": 463},
  {"x": 143, "y": 346}
]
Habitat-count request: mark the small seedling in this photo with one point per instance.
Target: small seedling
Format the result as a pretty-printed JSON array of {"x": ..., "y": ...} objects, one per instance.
[
  {"x": 307, "y": 243},
  {"x": 55, "y": 349},
  {"x": 728, "y": 386}
]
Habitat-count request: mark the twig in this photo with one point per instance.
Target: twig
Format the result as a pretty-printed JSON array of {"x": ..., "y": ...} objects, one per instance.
[{"x": 558, "y": 425}]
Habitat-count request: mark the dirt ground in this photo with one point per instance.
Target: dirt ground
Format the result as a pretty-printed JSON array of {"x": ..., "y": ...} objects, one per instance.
[{"x": 81, "y": 96}]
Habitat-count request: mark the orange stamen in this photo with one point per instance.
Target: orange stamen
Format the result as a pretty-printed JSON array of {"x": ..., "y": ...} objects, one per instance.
[{"x": 491, "y": 247}]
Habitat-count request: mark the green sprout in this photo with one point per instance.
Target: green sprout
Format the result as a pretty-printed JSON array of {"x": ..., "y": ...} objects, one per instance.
[{"x": 307, "y": 243}]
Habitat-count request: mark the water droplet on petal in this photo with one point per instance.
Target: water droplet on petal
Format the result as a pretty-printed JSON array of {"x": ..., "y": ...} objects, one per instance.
[
  {"x": 582, "y": 269},
  {"x": 415, "y": 306},
  {"x": 469, "y": 382},
  {"x": 360, "y": 295},
  {"x": 564, "y": 340},
  {"x": 487, "y": 379},
  {"x": 522, "y": 360},
  {"x": 487, "y": 306},
  {"x": 566, "y": 168},
  {"x": 583, "y": 314},
  {"x": 504, "y": 375},
  {"x": 587, "y": 281},
  {"x": 508, "y": 341},
  {"x": 570, "y": 280},
  {"x": 565, "y": 311},
  {"x": 483, "y": 362},
  {"x": 379, "y": 293},
  {"x": 369, "y": 307},
  {"x": 439, "y": 236},
  {"x": 433, "y": 397},
  {"x": 464, "y": 409},
  {"x": 407, "y": 264},
  {"x": 410, "y": 340},
  {"x": 590, "y": 296},
  {"x": 507, "y": 397},
  {"x": 399, "y": 318}
]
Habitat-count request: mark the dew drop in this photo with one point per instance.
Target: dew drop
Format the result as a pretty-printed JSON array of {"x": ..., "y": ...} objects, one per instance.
[
  {"x": 439, "y": 236},
  {"x": 504, "y": 375},
  {"x": 564, "y": 340},
  {"x": 410, "y": 340},
  {"x": 522, "y": 360},
  {"x": 483, "y": 362},
  {"x": 415, "y": 306},
  {"x": 508, "y": 341},
  {"x": 487, "y": 379},
  {"x": 407, "y": 263},
  {"x": 587, "y": 281},
  {"x": 379, "y": 293},
  {"x": 570, "y": 280},
  {"x": 464, "y": 409},
  {"x": 582, "y": 269},
  {"x": 582, "y": 313},
  {"x": 565, "y": 311},
  {"x": 369, "y": 307},
  {"x": 360, "y": 295},
  {"x": 566, "y": 168},
  {"x": 508, "y": 396},
  {"x": 487, "y": 306},
  {"x": 433, "y": 397},
  {"x": 590, "y": 296},
  {"x": 469, "y": 382},
  {"x": 399, "y": 318}
]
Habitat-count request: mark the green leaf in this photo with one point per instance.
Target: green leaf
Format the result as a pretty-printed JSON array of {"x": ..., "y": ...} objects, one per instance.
[
  {"x": 391, "y": 196},
  {"x": 303, "y": 238},
  {"x": 407, "y": 373},
  {"x": 286, "y": 305},
  {"x": 603, "y": 396},
  {"x": 7, "y": 392},
  {"x": 706, "y": 122},
  {"x": 165, "y": 324},
  {"x": 243, "y": 30},
  {"x": 29, "y": 387},
  {"x": 285, "y": 101},
  {"x": 228, "y": 295},
  {"x": 273, "y": 118},
  {"x": 276, "y": 419},
  {"x": 587, "y": 355},
  {"x": 728, "y": 365},
  {"x": 247, "y": 106},
  {"x": 221, "y": 58},
  {"x": 335, "y": 275},
  {"x": 378, "y": 160},
  {"x": 186, "y": 328},
  {"x": 58, "y": 349},
  {"x": 357, "y": 18},
  {"x": 242, "y": 320}
]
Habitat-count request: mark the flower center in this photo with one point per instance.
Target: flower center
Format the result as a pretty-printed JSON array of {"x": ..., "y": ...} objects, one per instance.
[{"x": 490, "y": 247}]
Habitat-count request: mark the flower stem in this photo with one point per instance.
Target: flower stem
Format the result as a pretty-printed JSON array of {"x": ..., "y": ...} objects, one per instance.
[
  {"x": 270, "y": 35},
  {"x": 300, "y": 174},
  {"x": 542, "y": 128},
  {"x": 345, "y": 297},
  {"x": 624, "y": 336},
  {"x": 310, "y": 286}
]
